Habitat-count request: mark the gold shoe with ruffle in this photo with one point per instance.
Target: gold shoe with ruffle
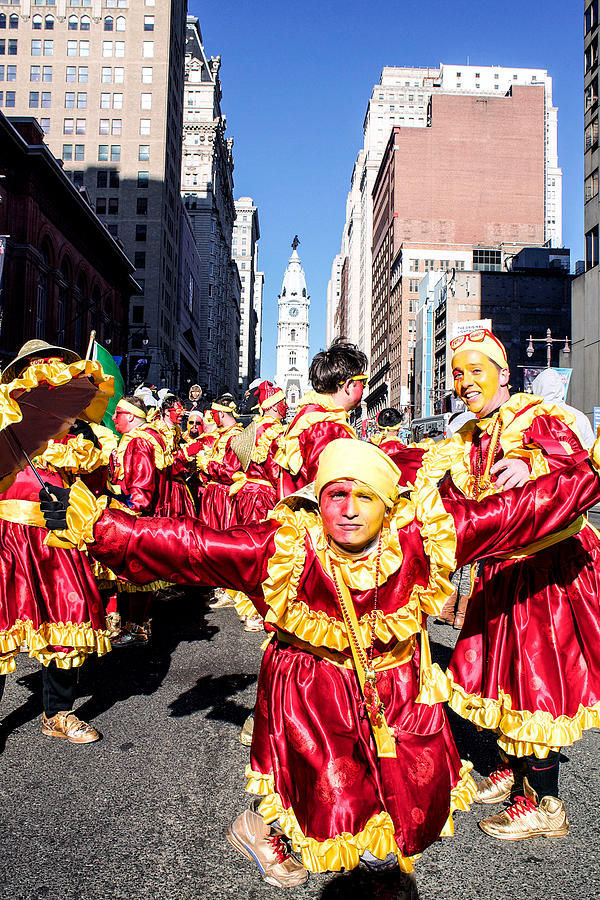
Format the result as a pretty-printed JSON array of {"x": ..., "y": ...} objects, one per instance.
[{"x": 526, "y": 818}]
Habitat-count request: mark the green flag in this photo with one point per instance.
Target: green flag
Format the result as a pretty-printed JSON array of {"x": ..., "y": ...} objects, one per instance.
[{"x": 110, "y": 367}]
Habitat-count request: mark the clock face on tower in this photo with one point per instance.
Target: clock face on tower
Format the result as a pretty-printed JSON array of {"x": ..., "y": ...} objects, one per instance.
[{"x": 293, "y": 311}]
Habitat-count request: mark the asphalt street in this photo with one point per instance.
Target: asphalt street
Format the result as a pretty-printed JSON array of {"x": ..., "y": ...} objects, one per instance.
[{"x": 142, "y": 813}]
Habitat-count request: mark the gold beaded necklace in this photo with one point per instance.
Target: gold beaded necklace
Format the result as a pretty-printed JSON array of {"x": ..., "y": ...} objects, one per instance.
[{"x": 482, "y": 476}]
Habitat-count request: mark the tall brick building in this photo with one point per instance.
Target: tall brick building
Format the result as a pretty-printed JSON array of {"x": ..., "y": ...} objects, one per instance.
[{"x": 467, "y": 190}]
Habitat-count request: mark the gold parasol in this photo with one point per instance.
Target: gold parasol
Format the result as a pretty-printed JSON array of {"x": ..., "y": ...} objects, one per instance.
[{"x": 243, "y": 444}]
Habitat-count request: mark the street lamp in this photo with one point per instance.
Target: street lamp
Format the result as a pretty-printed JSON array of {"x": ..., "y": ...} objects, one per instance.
[{"x": 548, "y": 341}]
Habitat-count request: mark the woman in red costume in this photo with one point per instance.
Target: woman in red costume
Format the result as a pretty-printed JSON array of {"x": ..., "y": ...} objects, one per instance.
[
  {"x": 526, "y": 664},
  {"x": 218, "y": 468},
  {"x": 49, "y": 597},
  {"x": 352, "y": 751}
]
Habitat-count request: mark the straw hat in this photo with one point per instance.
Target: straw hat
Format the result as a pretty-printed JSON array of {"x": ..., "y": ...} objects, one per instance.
[{"x": 33, "y": 349}]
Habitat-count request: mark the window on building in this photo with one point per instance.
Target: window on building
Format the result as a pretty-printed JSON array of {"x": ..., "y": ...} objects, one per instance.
[
  {"x": 100, "y": 205},
  {"x": 109, "y": 23},
  {"x": 79, "y": 152},
  {"x": 113, "y": 206},
  {"x": 34, "y": 99},
  {"x": 36, "y": 22},
  {"x": 104, "y": 126},
  {"x": 591, "y": 134},
  {"x": 106, "y": 75},
  {"x": 115, "y": 153},
  {"x": 13, "y": 20},
  {"x": 73, "y": 23},
  {"x": 45, "y": 123},
  {"x": 119, "y": 75},
  {"x": 82, "y": 74},
  {"x": 113, "y": 229},
  {"x": 113, "y": 178},
  {"x": 117, "y": 126},
  {"x": 591, "y": 186},
  {"x": 591, "y": 248},
  {"x": 117, "y": 101},
  {"x": 121, "y": 23},
  {"x": 80, "y": 126},
  {"x": 8, "y": 98},
  {"x": 142, "y": 179},
  {"x": 67, "y": 152},
  {"x": 81, "y": 100},
  {"x": 591, "y": 94},
  {"x": 141, "y": 232},
  {"x": 139, "y": 259},
  {"x": 147, "y": 75},
  {"x": 591, "y": 16},
  {"x": 487, "y": 260},
  {"x": 293, "y": 335},
  {"x": 46, "y": 73},
  {"x": 71, "y": 73},
  {"x": 101, "y": 178},
  {"x": 49, "y": 23},
  {"x": 293, "y": 358},
  {"x": 413, "y": 265},
  {"x": 148, "y": 23},
  {"x": 36, "y": 48},
  {"x": 146, "y": 101},
  {"x": 147, "y": 49},
  {"x": 103, "y": 152},
  {"x": 591, "y": 56},
  {"x": 48, "y": 48},
  {"x": 144, "y": 152},
  {"x": 70, "y": 100},
  {"x": 413, "y": 284},
  {"x": 141, "y": 206},
  {"x": 71, "y": 48},
  {"x": 145, "y": 127},
  {"x": 119, "y": 49}
]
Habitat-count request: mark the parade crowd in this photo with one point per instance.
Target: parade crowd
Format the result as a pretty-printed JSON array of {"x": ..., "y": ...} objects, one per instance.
[{"x": 339, "y": 550}]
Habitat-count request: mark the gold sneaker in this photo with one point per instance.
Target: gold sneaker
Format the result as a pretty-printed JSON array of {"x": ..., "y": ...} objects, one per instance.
[
  {"x": 246, "y": 732},
  {"x": 498, "y": 786},
  {"x": 523, "y": 819},
  {"x": 113, "y": 624},
  {"x": 67, "y": 725},
  {"x": 222, "y": 599},
  {"x": 251, "y": 835}
]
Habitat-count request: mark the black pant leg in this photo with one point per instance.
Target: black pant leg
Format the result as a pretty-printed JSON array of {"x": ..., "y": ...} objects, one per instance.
[{"x": 59, "y": 689}]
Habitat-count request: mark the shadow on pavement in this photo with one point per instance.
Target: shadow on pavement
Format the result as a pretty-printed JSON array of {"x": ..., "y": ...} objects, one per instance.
[
  {"x": 364, "y": 885},
  {"x": 213, "y": 693}
]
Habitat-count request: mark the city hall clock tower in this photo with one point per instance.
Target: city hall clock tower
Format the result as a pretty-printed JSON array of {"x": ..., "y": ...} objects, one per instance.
[{"x": 292, "y": 331}]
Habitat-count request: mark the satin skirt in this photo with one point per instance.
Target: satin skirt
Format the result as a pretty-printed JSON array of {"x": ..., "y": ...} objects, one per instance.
[
  {"x": 252, "y": 504},
  {"x": 178, "y": 501},
  {"x": 527, "y": 662},
  {"x": 314, "y": 749},
  {"x": 49, "y": 598},
  {"x": 215, "y": 506}
]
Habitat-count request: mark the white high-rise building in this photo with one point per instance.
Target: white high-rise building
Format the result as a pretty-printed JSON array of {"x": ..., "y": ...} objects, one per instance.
[
  {"x": 292, "y": 331},
  {"x": 402, "y": 98}
]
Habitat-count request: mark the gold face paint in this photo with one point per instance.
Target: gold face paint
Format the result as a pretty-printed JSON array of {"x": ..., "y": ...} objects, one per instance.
[
  {"x": 477, "y": 382},
  {"x": 352, "y": 514}
]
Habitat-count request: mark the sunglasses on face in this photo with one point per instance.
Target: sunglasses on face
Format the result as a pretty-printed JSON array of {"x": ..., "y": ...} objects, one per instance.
[{"x": 363, "y": 378}]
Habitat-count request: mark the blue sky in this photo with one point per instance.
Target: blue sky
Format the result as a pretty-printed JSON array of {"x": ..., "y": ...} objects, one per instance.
[{"x": 296, "y": 80}]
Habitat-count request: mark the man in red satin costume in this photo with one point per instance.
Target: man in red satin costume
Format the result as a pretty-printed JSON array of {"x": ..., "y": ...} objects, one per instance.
[
  {"x": 352, "y": 751},
  {"x": 526, "y": 663},
  {"x": 338, "y": 376},
  {"x": 218, "y": 467},
  {"x": 255, "y": 489}
]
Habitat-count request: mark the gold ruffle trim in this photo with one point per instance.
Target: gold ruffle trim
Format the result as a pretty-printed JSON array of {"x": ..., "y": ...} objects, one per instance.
[
  {"x": 522, "y": 733},
  {"x": 216, "y": 454},
  {"x": 263, "y": 444},
  {"x": 77, "y": 455},
  {"x": 243, "y": 605},
  {"x": 83, "y": 512},
  {"x": 81, "y": 637},
  {"x": 344, "y": 850},
  {"x": 288, "y": 455},
  {"x": 126, "y": 587}
]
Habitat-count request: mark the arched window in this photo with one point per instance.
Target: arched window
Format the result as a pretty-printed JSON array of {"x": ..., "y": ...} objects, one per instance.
[
  {"x": 120, "y": 24},
  {"x": 283, "y": 293},
  {"x": 42, "y": 295},
  {"x": 49, "y": 23},
  {"x": 73, "y": 23},
  {"x": 84, "y": 23},
  {"x": 2, "y": 20},
  {"x": 13, "y": 21},
  {"x": 109, "y": 23},
  {"x": 293, "y": 358},
  {"x": 292, "y": 399},
  {"x": 293, "y": 335},
  {"x": 304, "y": 292},
  {"x": 36, "y": 23}
]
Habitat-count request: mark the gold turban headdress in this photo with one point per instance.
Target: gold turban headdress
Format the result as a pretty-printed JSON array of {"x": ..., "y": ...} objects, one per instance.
[
  {"x": 482, "y": 340},
  {"x": 348, "y": 459}
]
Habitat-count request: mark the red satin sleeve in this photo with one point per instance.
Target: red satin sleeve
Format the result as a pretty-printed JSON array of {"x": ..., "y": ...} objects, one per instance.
[
  {"x": 503, "y": 523},
  {"x": 312, "y": 443},
  {"x": 408, "y": 459},
  {"x": 555, "y": 440},
  {"x": 182, "y": 550},
  {"x": 139, "y": 475}
]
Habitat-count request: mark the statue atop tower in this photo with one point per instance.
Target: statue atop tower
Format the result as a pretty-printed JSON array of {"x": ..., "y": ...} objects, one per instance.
[{"x": 292, "y": 331}]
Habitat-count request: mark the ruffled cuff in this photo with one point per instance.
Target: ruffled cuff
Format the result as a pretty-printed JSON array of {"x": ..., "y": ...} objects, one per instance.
[{"x": 83, "y": 512}]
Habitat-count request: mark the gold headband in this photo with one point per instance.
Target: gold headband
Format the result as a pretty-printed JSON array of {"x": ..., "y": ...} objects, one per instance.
[
  {"x": 272, "y": 401},
  {"x": 217, "y": 407},
  {"x": 126, "y": 406}
]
